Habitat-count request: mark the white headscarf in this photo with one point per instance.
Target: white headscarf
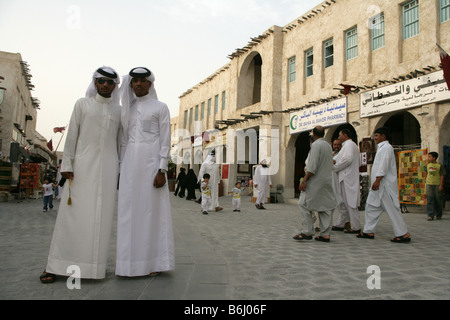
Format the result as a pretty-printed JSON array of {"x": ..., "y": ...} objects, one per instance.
[
  {"x": 126, "y": 91},
  {"x": 108, "y": 73},
  {"x": 128, "y": 98}
]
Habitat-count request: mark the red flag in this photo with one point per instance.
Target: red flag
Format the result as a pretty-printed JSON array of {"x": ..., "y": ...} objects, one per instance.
[
  {"x": 445, "y": 59},
  {"x": 61, "y": 129},
  {"x": 347, "y": 88},
  {"x": 50, "y": 145}
]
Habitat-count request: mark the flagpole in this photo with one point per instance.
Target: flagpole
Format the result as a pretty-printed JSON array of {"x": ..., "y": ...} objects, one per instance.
[{"x": 62, "y": 136}]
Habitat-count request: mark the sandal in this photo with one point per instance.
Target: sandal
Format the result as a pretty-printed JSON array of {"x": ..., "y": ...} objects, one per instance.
[
  {"x": 365, "y": 235},
  {"x": 401, "y": 239},
  {"x": 154, "y": 274},
  {"x": 302, "y": 236},
  {"x": 352, "y": 231},
  {"x": 47, "y": 277},
  {"x": 323, "y": 239}
]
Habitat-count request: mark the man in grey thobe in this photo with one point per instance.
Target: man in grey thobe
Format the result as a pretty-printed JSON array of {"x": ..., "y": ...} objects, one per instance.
[{"x": 317, "y": 194}]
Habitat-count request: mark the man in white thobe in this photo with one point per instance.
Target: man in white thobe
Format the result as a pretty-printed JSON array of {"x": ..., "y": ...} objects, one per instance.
[
  {"x": 317, "y": 194},
  {"x": 91, "y": 165},
  {"x": 145, "y": 242},
  {"x": 383, "y": 195},
  {"x": 347, "y": 171},
  {"x": 262, "y": 183},
  {"x": 210, "y": 166}
]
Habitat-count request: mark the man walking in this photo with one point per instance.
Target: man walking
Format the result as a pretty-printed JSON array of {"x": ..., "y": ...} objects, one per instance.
[
  {"x": 90, "y": 165},
  {"x": 145, "y": 243},
  {"x": 262, "y": 183},
  {"x": 383, "y": 196},
  {"x": 347, "y": 171},
  {"x": 317, "y": 193}
]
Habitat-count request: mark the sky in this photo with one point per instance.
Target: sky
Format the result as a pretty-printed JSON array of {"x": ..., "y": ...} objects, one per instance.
[{"x": 182, "y": 42}]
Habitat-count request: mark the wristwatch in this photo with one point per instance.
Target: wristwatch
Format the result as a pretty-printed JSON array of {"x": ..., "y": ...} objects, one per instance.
[{"x": 162, "y": 171}]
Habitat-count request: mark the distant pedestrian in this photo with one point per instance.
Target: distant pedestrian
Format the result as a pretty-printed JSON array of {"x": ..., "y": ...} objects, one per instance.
[
  {"x": 181, "y": 183},
  {"x": 383, "y": 195},
  {"x": 317, "y": 192},
  {"x": 206, "y": 193},
  {"x": 435, "y": 187},
  {"x": 47, "y": 189},
  {"x": 237, "y": 194},
  {"x": 191, "y": 185},
  {"x": 262, "y": 183},
  {"x": 211, "y": 167}
]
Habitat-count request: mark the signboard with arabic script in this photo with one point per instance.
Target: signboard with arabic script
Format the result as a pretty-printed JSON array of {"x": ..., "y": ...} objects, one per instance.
[
  {"x": 416, "y": 92},
  {"x": 326, "y": 115}
]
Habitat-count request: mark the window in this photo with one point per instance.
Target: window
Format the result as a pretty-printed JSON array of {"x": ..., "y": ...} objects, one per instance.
[
  {"x": 444, "y": 8},
  {"x": 309, "y": 62},
  {"x": 203, "y": 110},
  {"x": 351, "y": 43},
  {"x": 328, "y": 53},
  {"x": 292, "y": 71},
  {"x": 209, "y": 106},
  {"x": 191, "y": 111},
  {"x": 216, "y": 104},
  {"x": 185, "y": 118},
  {"x": 196, "y": 113},
  {"x": 411, "y": 19},
  {"x": 377, "y": 29},
  {"x": 224, "y": 100}
]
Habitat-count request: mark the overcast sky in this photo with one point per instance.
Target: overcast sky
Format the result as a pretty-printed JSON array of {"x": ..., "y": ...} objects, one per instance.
[{"x": 181, "y": 41}]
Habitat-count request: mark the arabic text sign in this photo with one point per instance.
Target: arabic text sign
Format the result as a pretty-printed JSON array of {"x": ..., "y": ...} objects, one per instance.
[
  {"x": 408, "y": 94},
  {"x": 325, "y": 115}
]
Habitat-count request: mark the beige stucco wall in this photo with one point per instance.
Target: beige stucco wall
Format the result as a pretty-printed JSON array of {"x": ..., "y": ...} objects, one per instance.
[{"x": 397, "y": 58}]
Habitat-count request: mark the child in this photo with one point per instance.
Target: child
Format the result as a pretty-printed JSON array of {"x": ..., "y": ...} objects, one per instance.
[
  {"x": 206, "y": 194},
  {"x": 47, "y": 189},
  {"x": 435, "y": 187},
  {"x": 237, "y": 192}
]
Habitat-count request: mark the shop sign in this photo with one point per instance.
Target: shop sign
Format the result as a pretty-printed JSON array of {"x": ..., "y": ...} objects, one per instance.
[
  {"x": 326, "y": 115},
  {"x": 416, "y": 92}
]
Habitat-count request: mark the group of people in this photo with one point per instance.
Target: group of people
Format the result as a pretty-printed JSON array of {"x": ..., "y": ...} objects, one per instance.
[
  {"x": 105, "y": 139},
  {"x": 332, "y": 180},
  {"x": 208, "y": 183},
  {"x": 115, "y": 151}
]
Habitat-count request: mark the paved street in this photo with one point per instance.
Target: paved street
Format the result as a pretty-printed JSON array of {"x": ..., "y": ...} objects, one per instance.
[{"x": 240, "y": 256}]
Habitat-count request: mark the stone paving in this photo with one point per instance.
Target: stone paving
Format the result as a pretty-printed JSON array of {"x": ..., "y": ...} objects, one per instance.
[{"x": 248, "y": 255}]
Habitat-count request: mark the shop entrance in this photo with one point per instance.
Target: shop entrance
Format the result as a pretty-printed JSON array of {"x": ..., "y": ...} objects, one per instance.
[
  {"x": 405, "y": 131},
  {"x": 302, "y": 147}
]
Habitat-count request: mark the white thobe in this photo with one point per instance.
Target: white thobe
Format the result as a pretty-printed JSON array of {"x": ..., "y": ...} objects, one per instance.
[
  {"x": 386, "y": 197},
  {"x": 212, "y": 169},
  {"x": 347, "y": 170},
  {"x": 263, "y": 181},
  {"x": 83, "y": 229},
  {"x": 145, "y": 242}
]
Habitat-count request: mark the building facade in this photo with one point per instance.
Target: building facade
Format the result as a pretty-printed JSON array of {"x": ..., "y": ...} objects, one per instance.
[
  {"x": 377, "y": 64},
  {"x": 19, "y": 141}
]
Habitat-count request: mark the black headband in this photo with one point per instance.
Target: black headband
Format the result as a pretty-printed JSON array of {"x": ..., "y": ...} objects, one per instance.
[
  {"x": 107, "y": 74},
  {"x": 140, "y": 75}
]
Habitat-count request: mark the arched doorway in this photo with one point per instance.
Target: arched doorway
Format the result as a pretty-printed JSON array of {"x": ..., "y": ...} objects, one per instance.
[
  {"x": 405, "y": 131},
  {"x": 444, "y": 153},
  {"x": 302, "y": 147},
  {"x": 249, "y": 83}
]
